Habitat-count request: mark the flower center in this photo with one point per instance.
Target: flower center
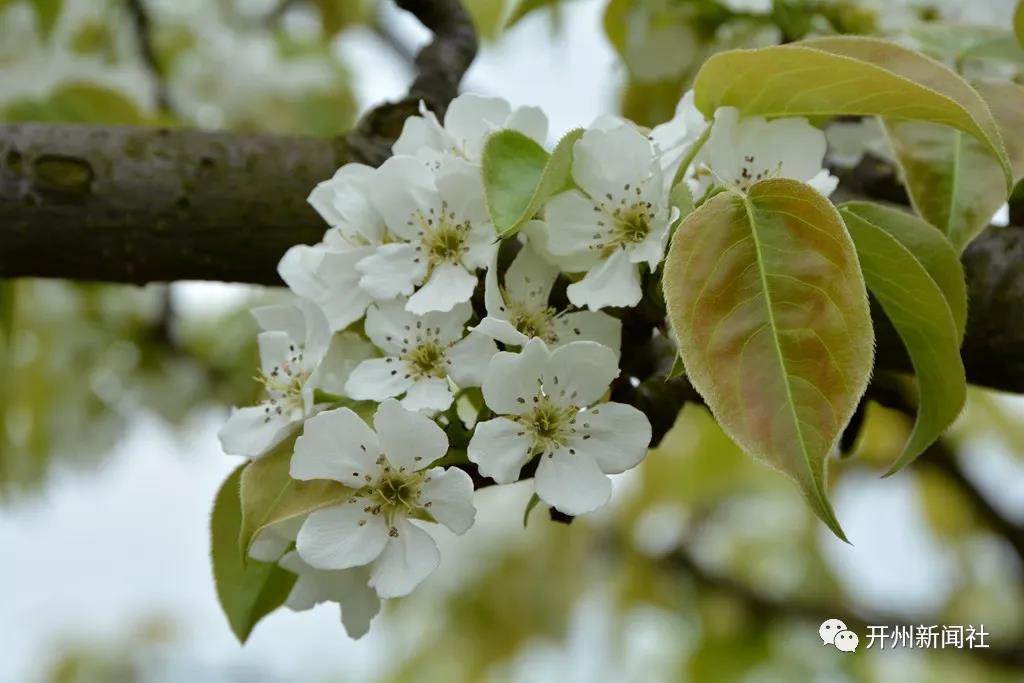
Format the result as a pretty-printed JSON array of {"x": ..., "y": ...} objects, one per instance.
[
  {"x": 283, "y": 385},
  {"x": 533, "y": 323},
  {"x": 393, "y": 493},
  {"x": 550, "y": 424},
  {"x": 443, "y": 239},
  {"x": 750, "y": 175},
  {"x": 426, "y": 360},
  {"x": 624, "y": 224}
]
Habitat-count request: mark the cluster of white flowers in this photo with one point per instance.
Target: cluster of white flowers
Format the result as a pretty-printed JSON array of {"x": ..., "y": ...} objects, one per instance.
[{"x": 525, "y": 368}]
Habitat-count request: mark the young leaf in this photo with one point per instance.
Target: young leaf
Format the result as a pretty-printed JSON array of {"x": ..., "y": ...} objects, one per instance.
[
  {"x": 952, "y": 180},
  {"x": 930, "y": 249},
  {"x": 519, "y": 176},
  {"x": 887, "y": 241},
  {"x": 767, "y": 300},
  {"x": 847, "y": 75},
  {"x": 269, "y": 495},
  {"x": 247, "y": 591}
]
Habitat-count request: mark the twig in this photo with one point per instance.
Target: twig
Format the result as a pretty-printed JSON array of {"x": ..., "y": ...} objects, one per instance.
[{"x": 143, "y": 36}]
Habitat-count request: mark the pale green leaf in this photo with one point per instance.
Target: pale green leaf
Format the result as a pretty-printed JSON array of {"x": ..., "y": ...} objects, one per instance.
[
  {"x": 847, "y": 75},
  {"x": 1018, "y": 22},
  {"x": 929, "y": 247},
  {"x": 519, "y": 176},
  {"x": 678, "y": 368},
  {"x": 270, "y": 496},
  {"x": 247, "y": 591},
  {"x": 952, "y": 180},
  {"x": 912, "y": 299},
  {"x": 532, "y": 503},
  {"x": 767, "y": 301}
]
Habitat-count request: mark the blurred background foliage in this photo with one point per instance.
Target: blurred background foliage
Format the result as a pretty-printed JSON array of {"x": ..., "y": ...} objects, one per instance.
[{"x": 706, "y": 568}]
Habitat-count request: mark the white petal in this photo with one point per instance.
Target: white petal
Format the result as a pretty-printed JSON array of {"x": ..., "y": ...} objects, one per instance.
[
  {"x": 429, "y": 393},
  {"x": 419, "y": 132},
  {"x": 448, "y": 326},
  {"x": 332, "y": 538},
  {"x": 449, "y": 493},
  {"x": 450, "y": 284},
  {"x": 572, "y": 224},
  {"x": 501, "y": 330},
  {"x": 347, "y": 587},
  {"x": 824, "y": 182},
  {"x": 298, "y": 269},
  {"x": 377, "y": 379},
  {"x": 392, "y": 270},
  {"x": 359, "y": 604},
  {"x": 618, "y": 436},
  {"x": 513, "y": 379},
  {"x": 572, "y": 484},
  {"x": 342, "y": 300},
  {"x": 529, "y": 278},
  {"x": 615, "y": 281},
  {"x": 285, "y": 318},
  {"x": 530, "y": 121},
  {"x": 404, "y": 188},
  {"x": 469, "y": 359},
  {"x": 539, "y": 236},
  {"x": 338, "y": 445},
  {"x": 253, "y": 431},
  {"x": 461, "y": 186},
  {"x": 592, "y": 326},
  {"x": 408, "y": 439},
  {"x": 406, "y": 561},
  {"x": 346, "y": 351},
  {"x": 652, "y": 249},
  {"x": 317, "y": 335},
  {"x": 500, "y": 447},
  {"x": 580, "y": 372},
  {"x": 471, "y": 118},
  {"x": 389, "y": 326},
  {"x": 604, "y": 161},
  {"x": 276, "y": 348},
  {"x": 494, "y": 302}
]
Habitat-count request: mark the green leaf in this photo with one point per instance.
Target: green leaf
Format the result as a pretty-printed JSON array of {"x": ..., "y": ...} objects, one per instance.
[
  {"x": 847, "y": 75},
  {"x": 766, "y": 298},
  {"x": 678, "y": 368},
  {"x": 270, "y": 496},
  {"x": 47, "y": 12},
  {"x": 519, "y": 176},
  {"x": 933, "y": 251},
  {"x": 1018, "y": 22},
  {"x": 523, "y": 7},
  {"x": 248, "y": 591},
  {"x": 895, "y": 251},
  {"x": 952, "y": 180},
  {"x": 534, "y": 499},
  {"x": 681, "y": 198}
]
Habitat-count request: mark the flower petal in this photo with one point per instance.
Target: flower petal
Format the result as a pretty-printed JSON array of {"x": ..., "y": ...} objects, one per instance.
[
  {"x": 500, "y": 447},
  {"x": 276, "y": 349},
  {"x": 389, "y": 326},
  {"x": 254, "y": 430},
  {"x": 342, "y": 536},
  {"x": 513, "y": 379},
  {"x": 531, "y": 121},
  {"x": 592, "y": 326},
  {"x": 409, "y": 557},
  {"x": 471, "y": 118},
  {"x": 336, "y": 444},
  {"x": 573, "y": 222},
  {"x": 342, "y": 300},
  {"x": 392, "y": 270},
  {"x": 428, "y": 393},
  {"x": 615, "y": 281},
  {"x": 604, "y": 161},
  {"x": 450, "y": 284},
  {"x": 579, "y": 373},
  {"x": 447, "y": 495},
  {"x": 408, "y": 439},
  {"x": 615, "y": 435},
  {"x": 469, "y": 359},
  {"x": 572, "y": 484},
  {"x": 377, "y": 379},
  {"x": 529, "y": 279},
  {"x": 298, "y": 269},
  {"x": 501, "y": 330}
]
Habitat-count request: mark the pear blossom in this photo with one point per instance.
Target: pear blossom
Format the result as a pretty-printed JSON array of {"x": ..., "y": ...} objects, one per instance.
[
  {"x": 326, "y": 273},
  {"x": 349, "y": 588},
  {"x": 424, "y": 355},
  {"x": 393, "y": 493},
  {"x": 469, "y": 120},
  {"x": 441, "y": 234},
  {"x": 674, "y": 138},
  {"x": 617, "y": 219},
  {"x": 520, "y": 310},
  {"x": 292, "y": 346},
  {"x": 549, "y": 405},
  {"x": 739, "y": 152}
]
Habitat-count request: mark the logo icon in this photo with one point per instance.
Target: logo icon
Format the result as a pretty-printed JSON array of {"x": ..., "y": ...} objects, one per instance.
[{"x": 834, "y": 632}]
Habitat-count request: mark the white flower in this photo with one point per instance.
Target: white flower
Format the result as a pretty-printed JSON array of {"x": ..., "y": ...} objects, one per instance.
[
  {"x": 349, "y": 588},
  {"x": 326, "y": 273},
  {"x": 673, "y": 139},
  {"x": 291, "y": 350},
  {"x": 423, "y": 356},
  {"x": 549, "y": 406},
  {"x": 391, "y": 487},
  {"x": 520, "y": 311},
  {"x": 441, "y": 230},
  {"x": 620, "y": 218},
  {"x": 742, "y": 151},
  {"x": 470, "y": 119}
]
